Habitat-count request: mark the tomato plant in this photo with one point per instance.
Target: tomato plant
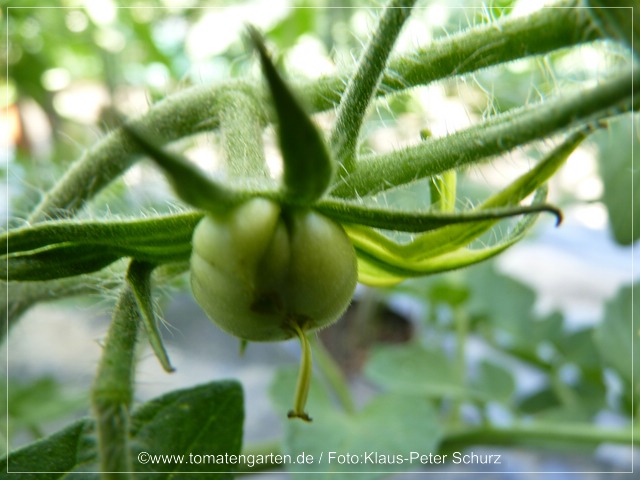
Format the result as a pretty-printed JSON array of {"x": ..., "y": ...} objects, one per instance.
[{"x": 273, "y": 258}]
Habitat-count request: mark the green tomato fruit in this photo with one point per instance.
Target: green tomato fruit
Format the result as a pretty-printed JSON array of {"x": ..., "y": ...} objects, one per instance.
[{"x": 264, "y": 273}]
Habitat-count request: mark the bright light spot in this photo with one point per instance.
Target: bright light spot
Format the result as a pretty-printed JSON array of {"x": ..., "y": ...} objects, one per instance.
[
  {"x": 309, "y": 58},
  {"x": 593, "y": 215},
  {"x": 580, "y": 175},
  {"x": 527, "y": 7},
  {"x": 76, "y": 21},
  {"x": 102, "y": 12},
  {"x": 272, "y": 154},
  {"x": 219, "y": 27},
  {"x": 446, "y": 114},
  {"x": 413, "y": 35},
  {"x": 590, "y": 188},
  {"x": 110, "y": 39},
  {"x": 83, "y": 103},
  {"x": 55, "y": 79},
  {"x": 361, "y": 23},
  {"x": 437, "y": 15},
  {"x": 157, "y": 75}
]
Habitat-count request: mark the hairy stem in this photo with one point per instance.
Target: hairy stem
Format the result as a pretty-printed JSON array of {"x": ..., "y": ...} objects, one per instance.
[
  {"x": 112, "y": 391},
  {"x": 363, "y": 84},
  {"x": 499, "y": 135},
  {"x": 197, "y": 109},
  {"x": 188, "y": 112},
  {"x": 241, "y": 123}
]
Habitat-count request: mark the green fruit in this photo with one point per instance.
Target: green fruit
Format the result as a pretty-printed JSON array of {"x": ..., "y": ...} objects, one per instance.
[{"x": 262, "y": 272}]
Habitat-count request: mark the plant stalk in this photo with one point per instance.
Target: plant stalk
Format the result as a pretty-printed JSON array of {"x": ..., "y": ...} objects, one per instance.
[{"x": 112, "y": 391}]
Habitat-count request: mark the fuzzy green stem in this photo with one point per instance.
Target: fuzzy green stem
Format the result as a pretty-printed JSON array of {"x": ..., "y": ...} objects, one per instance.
[
  {"x": 363, "y": 84},
  {"x": 112, "y": 391},
  {"x": 499, "y": 135},
  {"x": 545, "y": 433},
  {"x": 197, "y": 109},
  {"x": 185, "y": 113},
  {"x": 241, "y": 123}
]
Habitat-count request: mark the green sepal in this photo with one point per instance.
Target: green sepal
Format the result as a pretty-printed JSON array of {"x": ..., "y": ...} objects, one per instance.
[
  {"x": 443, "y": 191},
  {"x": 139, "y": 279},
  {"x": 70, "y": 259},
  {"x": 378, "y": 266},
  {"x": 437, "y": 242},
  {"x": 389, "y": 219},
  {"x": 56, "y": 262},
  {"x": 190, "y": 184},
  {"x": 65, "y": 248},
  {"x": 308, "y": 167},
  {"x": 165, "y": 230}
]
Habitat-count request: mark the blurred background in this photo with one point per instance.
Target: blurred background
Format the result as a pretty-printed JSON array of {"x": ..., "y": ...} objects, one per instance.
[{"x": 528, "y": 336}]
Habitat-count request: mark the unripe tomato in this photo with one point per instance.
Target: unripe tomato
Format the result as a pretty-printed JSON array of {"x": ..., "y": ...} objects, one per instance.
[{"x": 259, "y": 270}]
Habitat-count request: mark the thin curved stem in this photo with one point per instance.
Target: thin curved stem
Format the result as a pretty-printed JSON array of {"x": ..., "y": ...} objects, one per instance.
[{"x": 304, "y": 377}]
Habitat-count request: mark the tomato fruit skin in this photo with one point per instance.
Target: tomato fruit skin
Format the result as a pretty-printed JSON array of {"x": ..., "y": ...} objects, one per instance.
[{"x": 259, "y": 269}]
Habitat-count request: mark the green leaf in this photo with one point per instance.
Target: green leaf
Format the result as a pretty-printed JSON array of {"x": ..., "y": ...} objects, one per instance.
[
  {"x": 25, "y": 408},
  {"x": 493, "y": 382},
  {"x": 57, "y": 454},
  {"x": 308, "y": 167},
  {"x": 617, "y": 335},
  {"x": 202, "y": 420},
  {"x": 505, "y": 304},
  {"x": 616, "y": 147},
  {"x": 391, "y": 425},
  {"x": 416, "y": 370}
]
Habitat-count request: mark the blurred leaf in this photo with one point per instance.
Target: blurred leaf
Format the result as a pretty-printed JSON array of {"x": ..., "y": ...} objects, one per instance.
[
  {"x": 545, "y": 405},
  {"x": 415, "y": 370},
  {"x": 202, "y": 420},
  {"x": 298, "y": 21},
  {"x": 391, "y": 425},
  {"x": 617, "y": 335},
  {"x": 504, "y": 303},
  {"x": 494, "y": 382},
  {"x": 579, "y": 348},
  {"x": 26, "y": 409},
  {"x": 616, "y": 147},
  {"x": 453, "y": 294}
]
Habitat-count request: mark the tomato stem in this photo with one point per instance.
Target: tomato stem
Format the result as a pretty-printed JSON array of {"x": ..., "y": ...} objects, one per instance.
[{"x": 304, "y": 378}]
